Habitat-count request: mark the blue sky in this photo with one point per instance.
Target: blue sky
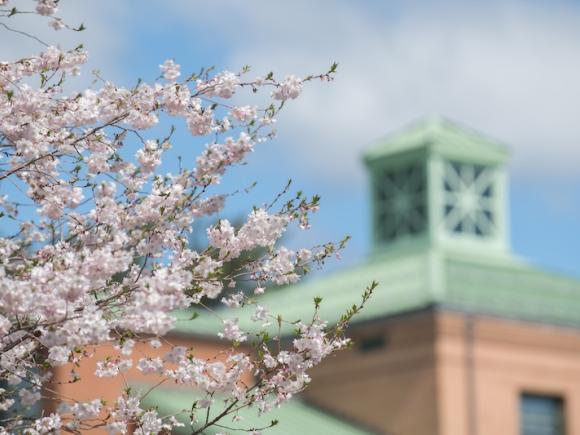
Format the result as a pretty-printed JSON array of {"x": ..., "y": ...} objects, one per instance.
[{"x": 510, "y": 69}]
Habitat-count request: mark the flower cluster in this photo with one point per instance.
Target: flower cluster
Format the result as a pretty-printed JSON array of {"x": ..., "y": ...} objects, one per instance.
[
  {"x": 285, "y": 374},
  {"x": 98, "y": 252}
]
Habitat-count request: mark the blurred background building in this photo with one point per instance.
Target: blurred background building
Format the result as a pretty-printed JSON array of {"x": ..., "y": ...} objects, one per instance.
[
  {"x": 462, "y": 337},
  {"x": 477, "y": 340}
]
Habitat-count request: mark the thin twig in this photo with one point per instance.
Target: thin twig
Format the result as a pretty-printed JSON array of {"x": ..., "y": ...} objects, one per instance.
[{"x": 28, "y": 35}]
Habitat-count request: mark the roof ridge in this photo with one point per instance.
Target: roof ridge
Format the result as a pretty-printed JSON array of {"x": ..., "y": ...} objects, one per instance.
[{"x": 432, "y": 130}]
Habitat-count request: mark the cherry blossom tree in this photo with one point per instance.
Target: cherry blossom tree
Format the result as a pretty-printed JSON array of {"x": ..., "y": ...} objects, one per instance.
[{"x": 100, "y": 254}]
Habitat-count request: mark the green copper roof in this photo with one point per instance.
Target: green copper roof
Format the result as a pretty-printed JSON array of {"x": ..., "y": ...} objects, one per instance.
[
  {"x": 404, "y": 285},
  {"x": 502, "y": 286},
  {"x": 443, "y": 136},
  {"x": 294, "y": 417}
]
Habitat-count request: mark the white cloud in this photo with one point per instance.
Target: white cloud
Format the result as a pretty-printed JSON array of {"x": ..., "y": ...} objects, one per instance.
[{"x": 508, "y": 68}]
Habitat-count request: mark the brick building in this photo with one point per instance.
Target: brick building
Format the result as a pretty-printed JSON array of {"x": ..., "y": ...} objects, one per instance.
[{"x": 462, "y": 337}]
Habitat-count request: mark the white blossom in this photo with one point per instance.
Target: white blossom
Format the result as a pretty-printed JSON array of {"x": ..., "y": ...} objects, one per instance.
[
  {"x": 28, "y": 397},
  {"x": 261, "y": 315},
  {"x": 150, "y": 365},
  {"x": 232, "y": 331},
  {"x": 46, "y": 7},
  {"x": 290, "y": 88},
  {"x": 171, "y": 71}
]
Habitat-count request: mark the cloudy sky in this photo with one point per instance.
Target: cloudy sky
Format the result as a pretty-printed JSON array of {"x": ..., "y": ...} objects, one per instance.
[{"x": 508, "y": 68}]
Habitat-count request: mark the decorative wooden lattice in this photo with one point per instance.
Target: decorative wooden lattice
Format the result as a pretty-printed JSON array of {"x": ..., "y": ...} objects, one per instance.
[
  {"x": 401, "y": 202},
  {"x": 469, "y": 202}
]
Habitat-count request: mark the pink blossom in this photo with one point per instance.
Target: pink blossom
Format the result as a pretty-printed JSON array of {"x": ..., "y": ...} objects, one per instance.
[
  {"x": 222, "y": 85},
  {"x": 244, "y": 113},
  {"x": 46, "y": 7},
  {"x": 170, "y": 70},
  {"x": 232, "y": 331},
  {"x": 289, "y": 88}
]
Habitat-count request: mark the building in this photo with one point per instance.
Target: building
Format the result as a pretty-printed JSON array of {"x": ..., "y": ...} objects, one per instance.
[{"x": 462, "y": 337}]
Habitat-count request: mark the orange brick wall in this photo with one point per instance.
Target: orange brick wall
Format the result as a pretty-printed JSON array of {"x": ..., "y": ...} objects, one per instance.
[
  {"x": 509, "y": 358},
  {"x": 420, "y": 382},
  {"x": 392, "y": 389},
  {"x": 90, "y": 387}
]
